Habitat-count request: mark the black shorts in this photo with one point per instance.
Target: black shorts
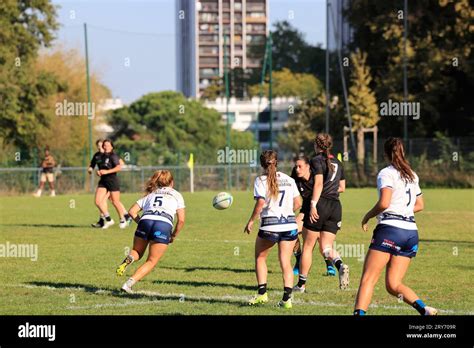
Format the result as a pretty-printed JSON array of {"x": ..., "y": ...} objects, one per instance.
[
  {"x": 277, "y": 237},
  {"x": 111, "y": 183},
  {"x": 330, "y": 216},
  {"x": 154, "y": 230},
  {"x": 394, "y": 240}
]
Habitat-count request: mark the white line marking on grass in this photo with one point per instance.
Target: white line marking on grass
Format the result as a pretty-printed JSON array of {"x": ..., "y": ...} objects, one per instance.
[{"x": 225, "y": 298}]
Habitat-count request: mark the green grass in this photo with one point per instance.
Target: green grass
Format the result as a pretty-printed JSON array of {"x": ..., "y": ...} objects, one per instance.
[{"x": 209, "y": 269}]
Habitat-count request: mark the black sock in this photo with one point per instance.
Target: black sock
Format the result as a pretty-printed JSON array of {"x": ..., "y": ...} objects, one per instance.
[
  {"x": 419, "y": 306},
  {"x": 286, "y": 293},
  {"x": 126, "y": 216},
  {"x": 298, "y": 258},
  {"x": 262, "y": 288},
  {"x": 328, "y": 262},
  {"x": 301, "y": 281},
  {"x": 108, "y": 218},
  {"x": 359, "y": 312},
  {"x": 338, "y": 263}
]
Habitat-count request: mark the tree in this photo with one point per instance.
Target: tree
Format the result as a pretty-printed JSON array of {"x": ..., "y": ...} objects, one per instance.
[
  {"x": 439, "y": 56},
  {"x": 159, "y": 126},
  {"x": 68, "y": 135},
  {"x": 289, "y": 84},
  {"x": 362, "y": 102},
  {"x": 26, "y": 27}
]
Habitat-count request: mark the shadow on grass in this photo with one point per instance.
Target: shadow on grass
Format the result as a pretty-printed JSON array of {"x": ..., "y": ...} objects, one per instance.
[
  {"x": 200, "y": 284},
  {"x": 446, "y": 241},
  {"x": 47, "y": 225},
  {"x": 145, "y": 295},
  {"x": 224, "y": 269}
]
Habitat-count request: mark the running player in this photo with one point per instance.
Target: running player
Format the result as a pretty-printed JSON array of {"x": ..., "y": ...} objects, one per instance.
[
  {"x": 109, "y": 166},
  {"x": 277, "y": 197},
  {"x": 96, "y": 159},
  {"x": 305, "y": 181},
  {"x": 155, "y": 227},
  {"x": 325, "y": 213},
  {"x": 395, "y": 238},
  {"x": 47, "y": 165}
]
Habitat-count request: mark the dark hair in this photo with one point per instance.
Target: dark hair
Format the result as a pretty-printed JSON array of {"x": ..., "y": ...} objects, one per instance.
[
  {"x": 394, "y": 150},
  {"x": 324, "y": 142},
  {"x": 108, "y": 141},
  {"x": 99, "y": 141},
  {"x": 303, "y": 158},
  {"x": 269, "y": 162}
]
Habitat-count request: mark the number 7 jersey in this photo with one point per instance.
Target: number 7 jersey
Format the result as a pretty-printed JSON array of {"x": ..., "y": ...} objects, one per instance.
[
  {"x": 161, "y": 204},
  {"x": 277, "y": 214},
  {"x": 400, "y": 211}
]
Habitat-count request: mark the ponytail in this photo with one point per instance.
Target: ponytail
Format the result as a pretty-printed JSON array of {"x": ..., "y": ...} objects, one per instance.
[
  {"x": 324, "y": 142},
  {"x": 393, "y": 148},
  {"x": 268, "y": 161}
]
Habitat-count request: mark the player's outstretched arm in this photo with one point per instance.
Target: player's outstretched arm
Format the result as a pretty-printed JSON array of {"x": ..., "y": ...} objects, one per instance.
[
  {"x": 180, "y": 216},
  {"x": 382, "y": 204},
  {"x": 419, "y": 204},
  {"x": 133, "y": 212},
  {"x": 257, "y": 209}
]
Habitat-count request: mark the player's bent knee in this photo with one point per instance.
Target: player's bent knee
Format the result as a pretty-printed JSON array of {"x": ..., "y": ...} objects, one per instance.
[{"x": 392, "y": 287}]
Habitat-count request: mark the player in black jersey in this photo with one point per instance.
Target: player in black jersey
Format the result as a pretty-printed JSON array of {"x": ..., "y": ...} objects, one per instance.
[
  {"x": 96, "y": 159},
  {"x": 305, "y": 182},
  {"x": 325, "y": 213},
  {"x": 109, "y": 164}
]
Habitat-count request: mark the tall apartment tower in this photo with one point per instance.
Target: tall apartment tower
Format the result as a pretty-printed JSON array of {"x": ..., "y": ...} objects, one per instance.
[{"x": 202, "y": 29}]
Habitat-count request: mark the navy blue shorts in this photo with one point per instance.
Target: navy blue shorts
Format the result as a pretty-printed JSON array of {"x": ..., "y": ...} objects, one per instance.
[
  {"x": 154, "y": 230},
  {"x": 394, "y": 240},
  {"x": 277, "y": 237}
]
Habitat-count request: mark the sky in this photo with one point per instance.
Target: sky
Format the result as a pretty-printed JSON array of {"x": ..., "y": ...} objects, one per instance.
[{"x": 132, "y": 42}]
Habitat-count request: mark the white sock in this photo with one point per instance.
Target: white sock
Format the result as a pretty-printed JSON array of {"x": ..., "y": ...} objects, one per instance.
[{"x": 131, "y": 282}]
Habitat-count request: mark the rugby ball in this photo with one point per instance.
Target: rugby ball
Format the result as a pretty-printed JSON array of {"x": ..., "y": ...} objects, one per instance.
[{"x": 222, "y": 200}]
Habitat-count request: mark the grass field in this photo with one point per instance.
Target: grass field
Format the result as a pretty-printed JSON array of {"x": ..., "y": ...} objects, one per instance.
[{"x": 209, "y": 268}]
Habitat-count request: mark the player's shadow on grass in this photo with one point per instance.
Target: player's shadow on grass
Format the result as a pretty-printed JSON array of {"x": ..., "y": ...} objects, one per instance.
[
  {"x": 445, "y": 241},
  {"x": 200, "y": 284},
  {"x": 46, "y": 225},
  {"x": 117, "y": 293},
  {"x": 225, "y": 269}
]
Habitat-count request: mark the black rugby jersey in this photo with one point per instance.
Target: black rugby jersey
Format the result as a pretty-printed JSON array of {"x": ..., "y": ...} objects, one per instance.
[
  {"x": 330, "y": 178},
  {"x": 109, "y": 161}
]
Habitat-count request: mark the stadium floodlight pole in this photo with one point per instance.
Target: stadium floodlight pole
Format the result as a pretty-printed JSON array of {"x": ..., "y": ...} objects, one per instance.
[
  {"x": 344, "y": 88},
  {"x": 227, "y": 94},
  {"x": 270, "y": 92},
  {"x": 405, "y": 82},
  {"x": 89, "y": 116},
  {"x": 327, "y": 66}
]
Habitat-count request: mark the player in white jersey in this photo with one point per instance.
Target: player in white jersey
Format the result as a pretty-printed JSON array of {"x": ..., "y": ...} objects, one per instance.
[
  {"x": 155, "y": 226},
  {"x": 277, "y": 197},
  {"x": 395, "y": 238}
]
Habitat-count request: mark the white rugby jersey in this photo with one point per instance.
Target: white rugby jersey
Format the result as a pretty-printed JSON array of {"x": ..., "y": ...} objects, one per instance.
[
  {"x": 400, "y": 211},
  {"x": 161, "y": 204},
  {"x": 277, "y": 214}
]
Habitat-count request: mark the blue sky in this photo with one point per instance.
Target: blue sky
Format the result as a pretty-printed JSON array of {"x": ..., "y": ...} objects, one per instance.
[{"x": 141, "y": 33}]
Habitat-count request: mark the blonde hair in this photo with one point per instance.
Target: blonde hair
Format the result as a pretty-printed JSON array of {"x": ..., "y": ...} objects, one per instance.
[
  {"x": 269, "y": 161},
  {"x": 161, "y": 178}
]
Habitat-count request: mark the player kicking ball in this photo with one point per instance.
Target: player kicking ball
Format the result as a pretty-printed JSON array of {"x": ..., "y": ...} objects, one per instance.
[
  {"x": 395, "y": 238},
  {"x": 155, "y": 226},
  {"x": 276, "y": 199}
]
